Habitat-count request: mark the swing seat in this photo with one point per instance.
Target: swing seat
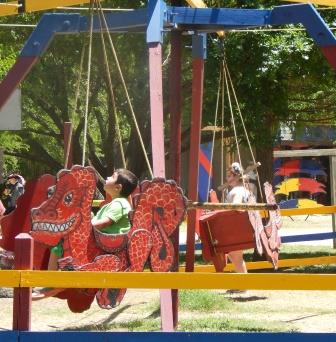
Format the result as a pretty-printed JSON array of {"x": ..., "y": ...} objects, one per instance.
[
  {"x": 110, "y": 243},
  {"x": 222, "y": 232}
]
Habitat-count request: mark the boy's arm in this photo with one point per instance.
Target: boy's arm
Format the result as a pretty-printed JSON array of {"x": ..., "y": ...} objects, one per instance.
[{"x": 102, "y": 223}]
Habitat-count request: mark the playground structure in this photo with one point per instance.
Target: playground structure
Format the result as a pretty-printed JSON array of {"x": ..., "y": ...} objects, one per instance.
[{"x": 166, "y": 17}]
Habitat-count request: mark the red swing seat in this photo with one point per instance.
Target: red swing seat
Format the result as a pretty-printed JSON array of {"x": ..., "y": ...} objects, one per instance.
[{"x": 222, "y": 232}]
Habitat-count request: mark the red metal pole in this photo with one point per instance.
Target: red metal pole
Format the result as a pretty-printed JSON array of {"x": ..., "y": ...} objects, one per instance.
[
  {"x": 157, "y": 131},
  {"x": 175, "y": 105},
  {"x": 15, "y": 76},
  {"x": 67, "y": 145},
  {"x": 156, "y": 108},
  {"x": 195, "y": 139},
  {"x": 24, "y": 251}
]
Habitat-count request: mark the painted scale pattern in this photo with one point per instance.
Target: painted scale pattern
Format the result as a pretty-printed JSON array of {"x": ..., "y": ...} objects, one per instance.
[{"x": 159, "y": 208}]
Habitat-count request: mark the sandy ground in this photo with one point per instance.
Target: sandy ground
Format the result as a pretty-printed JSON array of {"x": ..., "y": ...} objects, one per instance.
[
  {"x": 313, "y": 311},
  {"x": 318, "y": 314}
]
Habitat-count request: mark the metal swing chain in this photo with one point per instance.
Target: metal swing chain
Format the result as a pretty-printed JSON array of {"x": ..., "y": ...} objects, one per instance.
[
  {"x": 76, "y": 105},
  {"x": 88, "y": 85},
  {"x": 214, "y": 131},
  {"x": 126, "y": 93},
  {"x": 108, "y": 73},
  {"x": 232, "y": 117},
  {"x": 245, "y": 131}
]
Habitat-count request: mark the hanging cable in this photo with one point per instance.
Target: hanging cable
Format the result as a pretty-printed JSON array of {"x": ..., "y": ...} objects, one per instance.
[
  {"x": 108, "y": 73},
  {"x": 88, "y": 85},
  {"x": 126, "y": 92},
  {"x": 245, "y": 131},
  {"x": 214, "y": 131},
  {"x": 75, "y": 106},
  {"x": 222, "y": 133},
  {"x": 81, "y": 63},
  {"x": 232, "y": 117}
]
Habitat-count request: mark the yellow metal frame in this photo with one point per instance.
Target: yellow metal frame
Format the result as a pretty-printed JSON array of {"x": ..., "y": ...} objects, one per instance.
[
  {"x": 12, "y": 7},
  {"x": 260, "y": 265},
  {"x": 9, "y": 8},
  {"x": 148, "y": 280},
  {"x": 202, "y": 4},
  {"x": 315, "y": 2}
]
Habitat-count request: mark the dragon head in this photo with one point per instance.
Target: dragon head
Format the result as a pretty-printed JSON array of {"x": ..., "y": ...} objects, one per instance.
[{"x": 67, "y": 207}]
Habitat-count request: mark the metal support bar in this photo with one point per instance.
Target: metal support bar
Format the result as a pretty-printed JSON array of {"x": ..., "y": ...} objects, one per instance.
[
  {"x": 156, "y": 109},
  {"x": 157, "y": 133},
  {"x": 156, "y": 11},
  {"x": 214, "y": 19},
  {"x": 231, "y": 206},
  {"x": 14, "y": 77},
  {"x": 24, "y": 251},
  {"x": 332, "y": 163},
  {"x": 307, "y": 15},
  {"x": 175, "y": 108},
  {"x": 195, "y": 139}
]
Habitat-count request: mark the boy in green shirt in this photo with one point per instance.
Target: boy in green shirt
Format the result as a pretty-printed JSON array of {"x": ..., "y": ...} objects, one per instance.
[{"x": 112, "y": 218}]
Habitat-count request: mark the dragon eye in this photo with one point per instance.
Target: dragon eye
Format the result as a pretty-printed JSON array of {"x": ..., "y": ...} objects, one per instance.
[
  {"x": 68, "y": 198},
  {"x": 51, "y": 191}
]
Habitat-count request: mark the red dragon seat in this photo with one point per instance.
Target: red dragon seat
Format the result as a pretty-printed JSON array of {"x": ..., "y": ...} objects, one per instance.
[{"x": 65, "y": 216}]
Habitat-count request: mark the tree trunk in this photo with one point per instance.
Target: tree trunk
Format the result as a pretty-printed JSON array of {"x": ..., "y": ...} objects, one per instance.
[{"x": 264, "y": 155}]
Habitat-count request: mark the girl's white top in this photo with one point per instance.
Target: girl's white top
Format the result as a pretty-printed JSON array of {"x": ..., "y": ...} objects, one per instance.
[{"x": 240, "y": 191}]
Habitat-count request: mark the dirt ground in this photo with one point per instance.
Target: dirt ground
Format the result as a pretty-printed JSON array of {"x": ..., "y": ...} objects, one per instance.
[
  {"x": 304, "y": 311},
  {"x": 299, "y": 310}
]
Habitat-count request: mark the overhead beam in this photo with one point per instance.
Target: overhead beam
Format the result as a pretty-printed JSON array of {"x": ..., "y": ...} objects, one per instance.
[{"x": 214, "y": 19}]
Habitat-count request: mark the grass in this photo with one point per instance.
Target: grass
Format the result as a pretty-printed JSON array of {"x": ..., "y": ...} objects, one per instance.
[
  {"x": 210, "y": 310},
  {"x": 203, "y": 301},
  {"x": 199, "y": 310},
  {"x": 230, "y": 324}
]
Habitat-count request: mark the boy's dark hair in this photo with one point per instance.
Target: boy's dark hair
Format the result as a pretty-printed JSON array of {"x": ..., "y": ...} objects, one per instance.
[{"x": 128, "y": 181}]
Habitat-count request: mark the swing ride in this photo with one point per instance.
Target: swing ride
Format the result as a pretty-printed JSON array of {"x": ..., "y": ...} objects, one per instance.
[
  {"x": 222, "y": 232},
  {"x": 154, "y": 20}
]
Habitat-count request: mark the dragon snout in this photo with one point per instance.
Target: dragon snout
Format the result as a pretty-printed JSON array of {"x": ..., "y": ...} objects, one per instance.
[{"x": 37, "y": 214}]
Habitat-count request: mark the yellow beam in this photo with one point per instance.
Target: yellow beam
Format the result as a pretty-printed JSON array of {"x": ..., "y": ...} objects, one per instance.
[
  {"x": 202, "y": 4},
  {"x": 197, "y": 3},
  {"x": 42, "y": 5},
  {"x": 9, "y": 278},
  {"x": 315, "y": 2},
  {"x": 11, "y": 8},
  {"x": 146, "y": 280},
  {"x": 8, "y": 8},
  {"x": 309, "y": 211},
  {"x": 260, "y": 265}
]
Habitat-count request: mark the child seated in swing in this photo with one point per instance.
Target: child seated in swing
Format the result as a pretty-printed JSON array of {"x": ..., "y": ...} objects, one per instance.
[
  {"x": 236, "y": 193},
  {"x": 112, "y": 218}
]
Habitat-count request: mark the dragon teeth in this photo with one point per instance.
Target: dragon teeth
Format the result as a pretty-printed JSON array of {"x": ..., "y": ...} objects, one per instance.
[{"x": 51, "y": 227}]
